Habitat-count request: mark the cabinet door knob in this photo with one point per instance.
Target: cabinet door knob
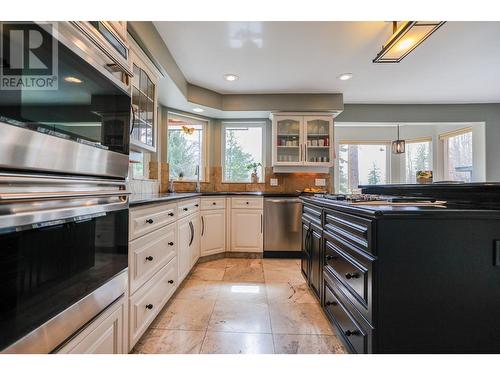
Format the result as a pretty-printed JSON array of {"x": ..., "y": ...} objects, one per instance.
[
  {"x": 248, "y": 202},
  {"x": 170, "y": 281},
  {"x": 328, "y": 303},
  {"x": 185, "y": 208},
  {"x": 349, "y": 276},
  {"x": 149, "y": 221},
  {"x": 170, "y": 244},
  {"x": 351, "y": 333},
  {"x": 149, "y": 306},
  {"x": 170, "y": 214},
  {"x": 150, "y": 258}
]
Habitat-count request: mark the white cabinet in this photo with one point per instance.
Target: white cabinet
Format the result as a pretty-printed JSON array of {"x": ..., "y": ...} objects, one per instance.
[
  {"x": 246, "y": 224},
  {"x": 188, "y": 233},
  {"x": 303, "y": 140},
  {"x": 213, "y": 232},
  {"x": 107, "y": 334}
]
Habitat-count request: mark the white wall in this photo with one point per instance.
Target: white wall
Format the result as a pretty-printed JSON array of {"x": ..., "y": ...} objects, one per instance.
[{"x": 377, "y": 132}]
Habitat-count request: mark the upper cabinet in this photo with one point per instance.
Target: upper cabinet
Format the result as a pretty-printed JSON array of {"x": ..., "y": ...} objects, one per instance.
[
  {"x": 144, "y": 101},
  {"x": 302, "y": 141}
]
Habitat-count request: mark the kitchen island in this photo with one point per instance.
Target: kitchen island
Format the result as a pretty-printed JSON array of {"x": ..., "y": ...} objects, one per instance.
[{"x": 405, "y": 279}]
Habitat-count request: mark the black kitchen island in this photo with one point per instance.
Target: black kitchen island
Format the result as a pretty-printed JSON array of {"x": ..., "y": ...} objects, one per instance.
[{"x": 405, "y": 279}]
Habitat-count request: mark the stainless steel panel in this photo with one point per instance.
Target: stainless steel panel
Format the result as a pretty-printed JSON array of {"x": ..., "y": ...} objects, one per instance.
[
  {"x": 63, "y": 326},
  {"x": 282, "y": 224},
  {"x": 32, "y": 199},
  {"x": 24, "y": 149}
]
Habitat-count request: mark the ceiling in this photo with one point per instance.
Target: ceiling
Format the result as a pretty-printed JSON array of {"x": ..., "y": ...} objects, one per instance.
[{"x": 457, "y": 64}]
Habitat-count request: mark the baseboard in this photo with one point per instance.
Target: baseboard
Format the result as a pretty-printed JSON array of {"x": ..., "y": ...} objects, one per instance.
[{"x": 283, "y": 254}]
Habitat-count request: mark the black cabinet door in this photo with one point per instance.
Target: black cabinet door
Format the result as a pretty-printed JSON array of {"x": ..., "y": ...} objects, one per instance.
[
  {"x": 306, "y": 255},
  {"x": 316, "y": 264}
]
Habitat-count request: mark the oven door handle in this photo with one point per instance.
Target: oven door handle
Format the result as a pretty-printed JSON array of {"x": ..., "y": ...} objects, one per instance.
[
  {"x": 38, "y": 196},
  {"x": 133, "y": 118}
]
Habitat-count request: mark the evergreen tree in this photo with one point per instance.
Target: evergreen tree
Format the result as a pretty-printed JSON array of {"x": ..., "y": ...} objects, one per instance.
[
  {"x": 236, "y": 160},
  {"x": 374, "y": 175},
  {"x": 182, "y": 155}
]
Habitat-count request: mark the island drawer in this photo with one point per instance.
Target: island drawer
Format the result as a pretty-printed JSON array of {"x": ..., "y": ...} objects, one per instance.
[
  {"x": 145, "y": 219},
  {"x": 355, "y": 333},
  {"x": 354, "y": 230},
  {"x": 311, "y": 213}
]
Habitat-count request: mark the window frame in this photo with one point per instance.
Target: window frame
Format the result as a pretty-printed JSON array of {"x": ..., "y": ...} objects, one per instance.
[
  {"x": 204, "y": 172},
  {"x": 248, "y": 124},
  {"x": 431, "y": 157},
  {"x": 388, "y": 161},
  {"x": 443, "y": 139}
]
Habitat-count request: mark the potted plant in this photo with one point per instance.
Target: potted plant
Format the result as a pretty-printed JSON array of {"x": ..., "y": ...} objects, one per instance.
[
  {"x": 181, "y": 176},
  {"x": 253, "y": 167}
]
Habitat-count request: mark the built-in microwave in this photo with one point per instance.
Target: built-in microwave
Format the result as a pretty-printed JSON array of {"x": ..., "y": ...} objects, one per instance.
[{"x": 78, "y": 122}]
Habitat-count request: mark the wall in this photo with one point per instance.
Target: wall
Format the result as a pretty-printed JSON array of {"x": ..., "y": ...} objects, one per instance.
[{"x": 432, "y": 113}]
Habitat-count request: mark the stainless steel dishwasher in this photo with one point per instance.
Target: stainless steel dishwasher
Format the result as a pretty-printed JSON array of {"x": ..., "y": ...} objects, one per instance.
[{"x": 282, "y": 227}]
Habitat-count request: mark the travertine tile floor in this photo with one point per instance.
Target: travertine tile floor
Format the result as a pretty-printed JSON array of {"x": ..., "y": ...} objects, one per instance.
[{"x": 242, "y": 306}]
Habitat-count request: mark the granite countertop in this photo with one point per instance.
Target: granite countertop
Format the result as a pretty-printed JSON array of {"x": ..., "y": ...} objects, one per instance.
[{"x": 140, "y": 199}]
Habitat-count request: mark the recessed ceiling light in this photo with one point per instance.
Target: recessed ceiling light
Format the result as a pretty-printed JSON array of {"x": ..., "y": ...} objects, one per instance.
[
  {"x": 72, "y": 79},
  {"x": 199, "y": 110},
  {"x": 345, "y": 76},
  {"x": 231, "y": 77}
]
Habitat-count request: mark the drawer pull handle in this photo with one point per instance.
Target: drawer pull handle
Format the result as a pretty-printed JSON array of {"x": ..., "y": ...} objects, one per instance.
[
  {"x": 328, "y": 303},
  {"x": 149, "y": 221},
  {"x": 185, "y": 208},
  {"x": 170, "y": 244},
  {"x": 214, "y": 203},
  {"x": 149, "y": 306},
  {"x": 349, "y": 276},
  {"x": 248, "y": 202},
  {"x": 197, "y": 205},
  {"x": 351, "y": 333},
  {"x": 150, "y": 258},
  {"x": 331, "y": 257},
  {"x": 170, "y": 281},
  {"x": 170, "y": 214}
]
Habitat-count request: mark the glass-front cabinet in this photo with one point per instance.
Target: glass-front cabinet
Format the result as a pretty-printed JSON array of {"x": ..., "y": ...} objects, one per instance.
[
  {"x": 144, "y": 103},
  {"x": 303, "y": 140}
]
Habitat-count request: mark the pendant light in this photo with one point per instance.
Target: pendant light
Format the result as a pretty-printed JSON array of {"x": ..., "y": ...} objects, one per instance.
[{"x": 399, "y": 145}]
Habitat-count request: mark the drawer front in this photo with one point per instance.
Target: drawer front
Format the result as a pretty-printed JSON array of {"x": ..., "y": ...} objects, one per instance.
[
  {"x": 355, "y": 275},
  {"x": 150, "y": 299},
  {"x": 186, "y": 208},
  {"x": 146, "y": 219},
  {"x": 213, "y": 203},
  {"x": 356, "y": 337},
  {"x": 247, "y": 202},
  {"x": 311, "y": 213},
  {"x": 352, "y": 229},
  {"x": 149, "y": 253}
]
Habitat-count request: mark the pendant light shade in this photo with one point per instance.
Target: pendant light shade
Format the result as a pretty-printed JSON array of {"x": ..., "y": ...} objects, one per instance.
[{"x": 399, "y": 145}]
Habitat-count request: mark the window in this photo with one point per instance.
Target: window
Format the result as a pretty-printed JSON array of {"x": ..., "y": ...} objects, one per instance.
[
  {"x": 242, "y": 144},
  {"x": 362, "y": 163},
  {"x": 418, "y": 157},
  {"x": 186, "y": 148},
  {"x": 457, "y": 155}
]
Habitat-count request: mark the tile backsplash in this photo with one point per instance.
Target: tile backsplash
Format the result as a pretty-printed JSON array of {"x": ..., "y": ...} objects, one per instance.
[{"x": 287, "y": 182}]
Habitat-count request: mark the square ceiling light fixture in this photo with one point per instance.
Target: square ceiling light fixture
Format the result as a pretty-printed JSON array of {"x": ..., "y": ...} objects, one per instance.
[{"x": 405, "y": 38}]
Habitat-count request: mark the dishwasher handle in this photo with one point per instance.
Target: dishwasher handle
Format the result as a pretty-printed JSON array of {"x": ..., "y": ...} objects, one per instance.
[{"x": 296, "y": 200}]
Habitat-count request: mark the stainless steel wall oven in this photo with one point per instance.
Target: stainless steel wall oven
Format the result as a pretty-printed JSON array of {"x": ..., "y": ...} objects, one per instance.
[{"x": 63, "y": 198}]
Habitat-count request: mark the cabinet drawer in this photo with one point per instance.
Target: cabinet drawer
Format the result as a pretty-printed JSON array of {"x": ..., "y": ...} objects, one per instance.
[
  {"x": 356, "y": 337},
  {"x": 149, "y": 253},
  {"x": 352, "y": 272},
  {"x": 146, "y": 219},
  {"x": 247, "y": 202},
  {"x": 352, "y": 229},
  {"x": 186, "y": 208},
  {"x": 213, "y": 203},
  {"x": 149, "y": 300},
  {"x": 311, "y": 213}
]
